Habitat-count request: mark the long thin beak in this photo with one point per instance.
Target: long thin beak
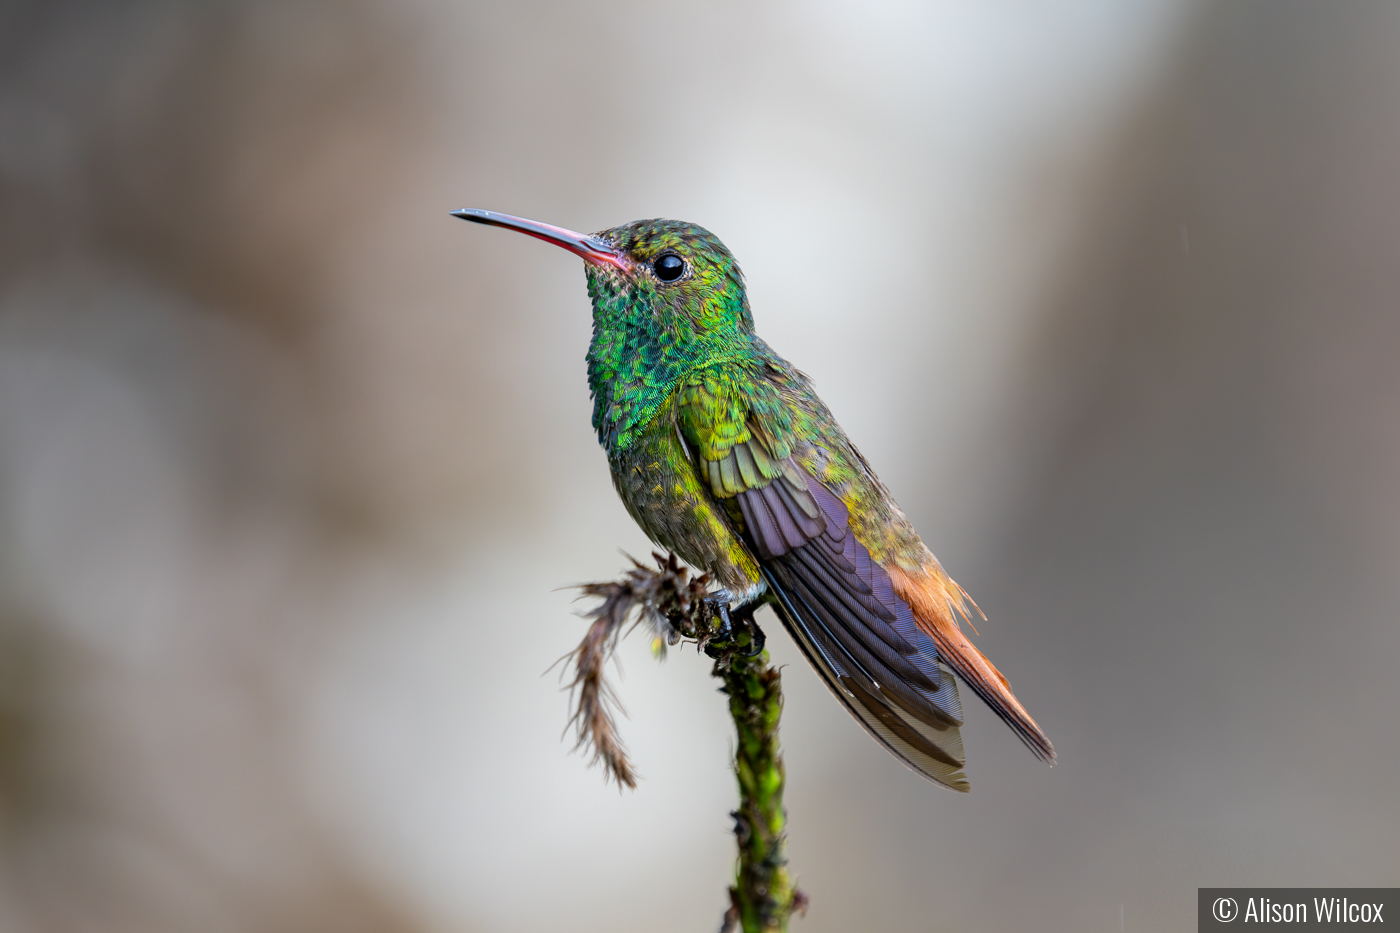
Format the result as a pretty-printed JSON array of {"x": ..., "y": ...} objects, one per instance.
[{"x": 592, "y": 249}]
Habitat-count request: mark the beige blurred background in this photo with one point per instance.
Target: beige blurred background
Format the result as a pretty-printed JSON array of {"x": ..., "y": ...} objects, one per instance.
[{"x": 292, "y": 463}]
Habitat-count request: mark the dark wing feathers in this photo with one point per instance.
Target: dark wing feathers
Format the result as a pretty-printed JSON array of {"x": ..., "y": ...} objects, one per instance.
[
  {"x": 932, "y": 749},
  {"x": 841, "y": 608}
]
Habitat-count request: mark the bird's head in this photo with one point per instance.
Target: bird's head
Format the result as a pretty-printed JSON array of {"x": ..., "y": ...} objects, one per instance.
[{"x": 675, "y": 277}]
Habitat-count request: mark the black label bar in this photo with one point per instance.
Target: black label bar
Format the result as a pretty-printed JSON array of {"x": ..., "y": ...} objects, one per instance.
[{"x": 1297, "y": 910}]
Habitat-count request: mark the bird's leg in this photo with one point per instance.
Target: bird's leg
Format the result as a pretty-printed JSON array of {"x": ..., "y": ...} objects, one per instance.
[{"x": 717, "y": 607}]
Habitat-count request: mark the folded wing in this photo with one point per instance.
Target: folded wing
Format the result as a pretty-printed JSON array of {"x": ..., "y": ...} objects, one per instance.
[{"x": 842, "y": 610}]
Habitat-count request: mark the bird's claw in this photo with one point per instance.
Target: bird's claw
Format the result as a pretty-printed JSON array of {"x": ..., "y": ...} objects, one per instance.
[{"x": 759, "y": 641}]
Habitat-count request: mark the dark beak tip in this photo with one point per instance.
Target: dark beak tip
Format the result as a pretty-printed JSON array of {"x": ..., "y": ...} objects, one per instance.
[{"x": 468, "y": 213}]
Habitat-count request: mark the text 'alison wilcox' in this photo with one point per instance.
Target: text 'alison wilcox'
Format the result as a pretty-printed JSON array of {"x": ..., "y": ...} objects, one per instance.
[{"x": 1324, "y": 910}]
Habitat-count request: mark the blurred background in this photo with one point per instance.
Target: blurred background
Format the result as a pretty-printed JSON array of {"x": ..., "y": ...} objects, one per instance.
[{"x": 293, "y": 464}]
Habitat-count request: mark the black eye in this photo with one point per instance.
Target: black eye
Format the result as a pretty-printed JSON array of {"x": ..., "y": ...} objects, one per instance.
[{"x": 669, "y": 267}]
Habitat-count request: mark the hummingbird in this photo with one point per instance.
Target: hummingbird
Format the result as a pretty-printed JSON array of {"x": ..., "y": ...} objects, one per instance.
[{"x": 722, "y": 452}]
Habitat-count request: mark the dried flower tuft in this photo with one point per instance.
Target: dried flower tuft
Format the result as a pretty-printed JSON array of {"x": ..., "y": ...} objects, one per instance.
[{"x": 671, "y": 604}]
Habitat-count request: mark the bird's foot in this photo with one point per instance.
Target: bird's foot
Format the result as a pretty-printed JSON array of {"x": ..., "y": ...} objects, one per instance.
[
  {"x": 743, "y": 619},
  {"x": 737, "y": 631}
]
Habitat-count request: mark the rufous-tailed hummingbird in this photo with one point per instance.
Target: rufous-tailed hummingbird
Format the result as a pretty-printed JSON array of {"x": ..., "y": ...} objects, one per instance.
[{"x": 722, "y": 453}]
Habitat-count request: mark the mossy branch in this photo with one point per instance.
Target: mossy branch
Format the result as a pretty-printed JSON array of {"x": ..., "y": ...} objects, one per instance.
[{"x": 676, "y": 606}]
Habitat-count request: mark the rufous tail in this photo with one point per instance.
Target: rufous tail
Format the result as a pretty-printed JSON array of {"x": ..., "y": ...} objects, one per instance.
[{"x": 935, "y": 599}]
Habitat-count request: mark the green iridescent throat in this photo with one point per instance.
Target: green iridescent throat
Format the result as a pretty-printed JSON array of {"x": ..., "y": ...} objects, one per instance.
[{"x": 647, "y": 334}]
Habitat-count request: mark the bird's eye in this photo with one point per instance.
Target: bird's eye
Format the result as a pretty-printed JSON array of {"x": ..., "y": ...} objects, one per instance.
[{"x": 668, "y": 267}]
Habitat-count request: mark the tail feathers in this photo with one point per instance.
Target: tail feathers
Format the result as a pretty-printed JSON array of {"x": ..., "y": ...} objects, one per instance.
[{"x": 935, "y": 598}]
